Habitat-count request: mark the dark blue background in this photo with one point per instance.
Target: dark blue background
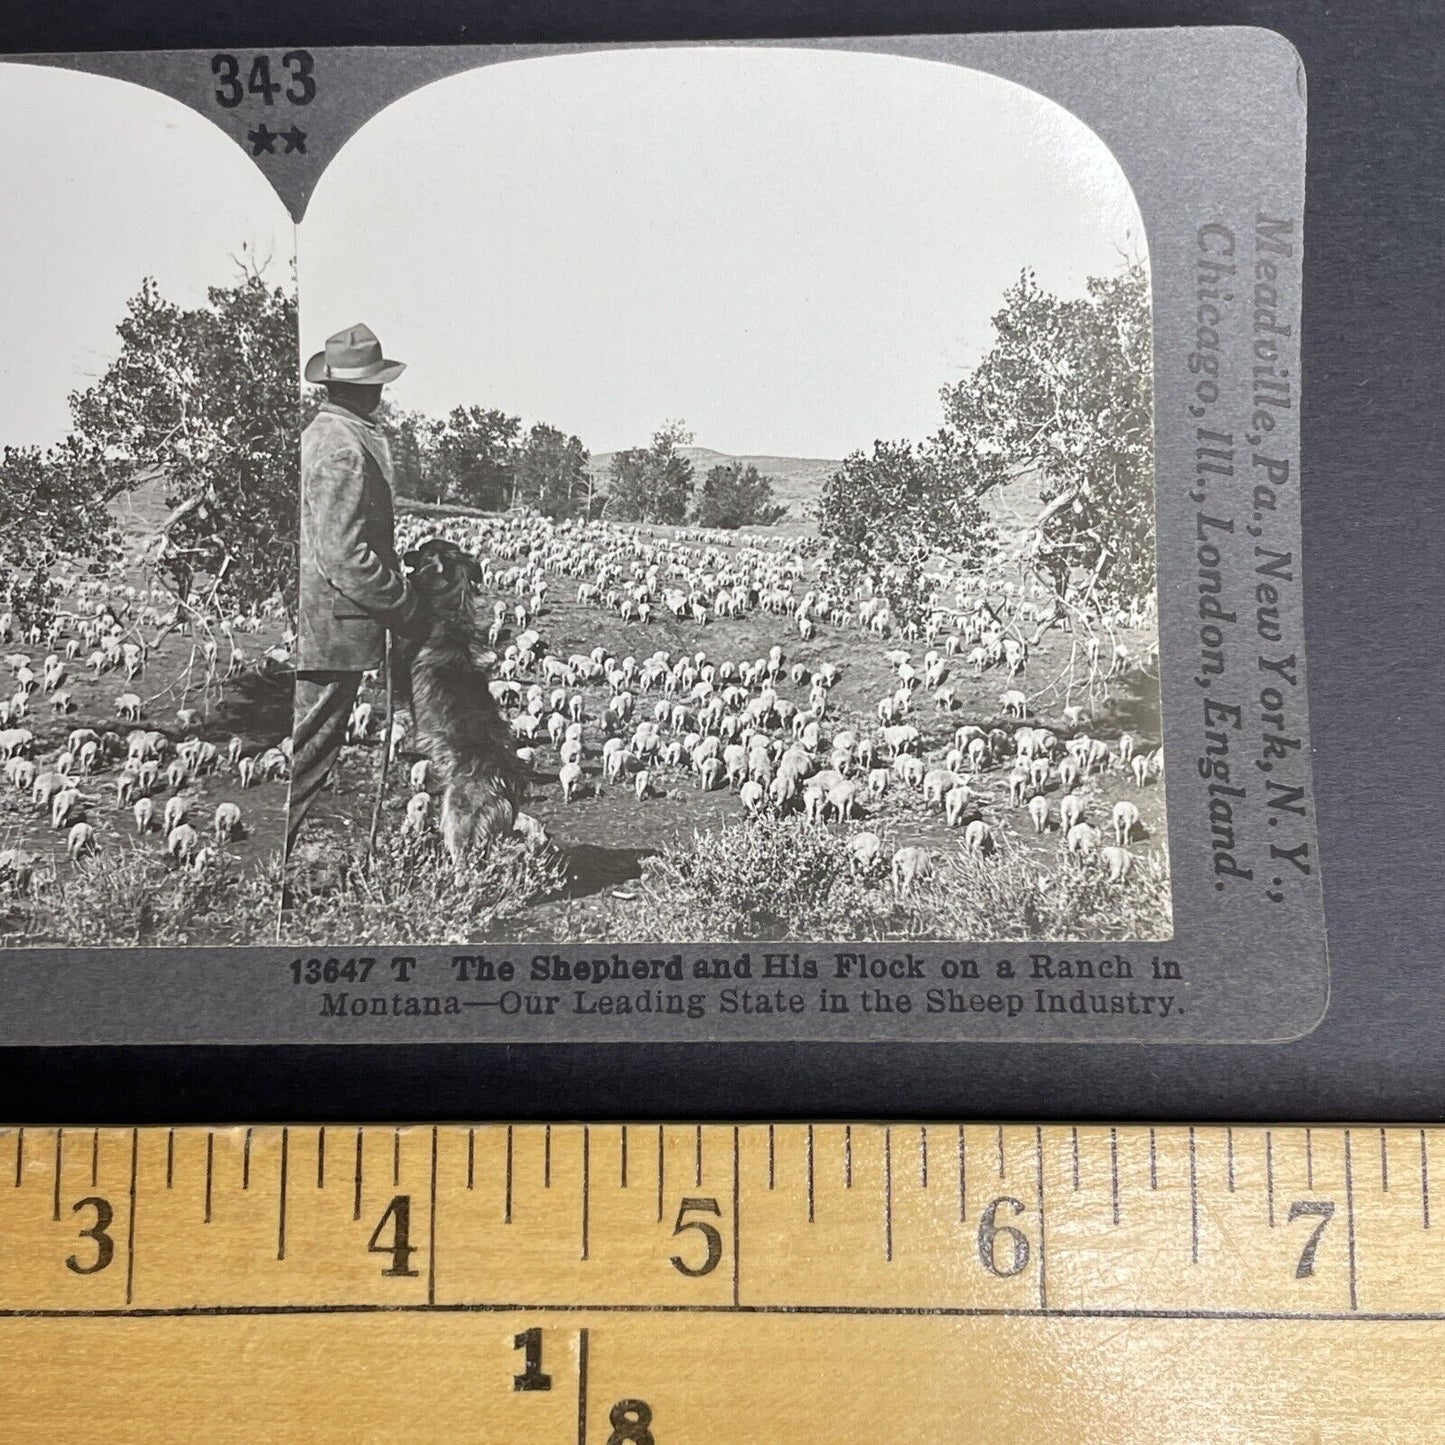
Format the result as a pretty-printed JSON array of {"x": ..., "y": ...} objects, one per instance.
[{"x": 1374, "y": 503}]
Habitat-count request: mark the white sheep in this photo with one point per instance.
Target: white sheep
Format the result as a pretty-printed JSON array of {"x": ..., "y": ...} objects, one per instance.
[
  {"x": 1118, "y": 861},
  {"x": 864, "y": 850},
  {"x": 1039, "y": 812},
  {"x": 227, "y": 822},
  {"x": 182, "y": 842},
  {"x": 569, "y": 775},
  {"x": 1139, "y": 766},
  {"x": 1083, "y": 838},
  {"x": 955, "y": 800},
  {"x": 80, "y": 840},
  {"x": 176, "y": 811},
  {"x": 1071, "y": 811},
  {"x": 63, "y": 805},
  {"x": 911, "y": 865},
  {"x": 1126, "y": 819},
  {"x": 144, "y": 813}
]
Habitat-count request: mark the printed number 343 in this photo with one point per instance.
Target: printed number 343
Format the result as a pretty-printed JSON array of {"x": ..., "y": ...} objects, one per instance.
[{"x": 231, "y": 90}]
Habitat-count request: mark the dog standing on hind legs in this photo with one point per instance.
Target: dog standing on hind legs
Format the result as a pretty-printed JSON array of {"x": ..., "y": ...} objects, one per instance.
[{"x": 445, "y": 672}]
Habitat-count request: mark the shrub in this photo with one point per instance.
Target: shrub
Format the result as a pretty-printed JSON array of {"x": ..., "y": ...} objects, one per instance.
[
  {"x": 412, "y": 894},
  {"x": 132, "y": 898},
  {"x": 782, "y": 878}
]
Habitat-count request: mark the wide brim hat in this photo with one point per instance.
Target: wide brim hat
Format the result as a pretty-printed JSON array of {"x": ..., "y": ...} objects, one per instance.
[{"x": 353, "y": 355}]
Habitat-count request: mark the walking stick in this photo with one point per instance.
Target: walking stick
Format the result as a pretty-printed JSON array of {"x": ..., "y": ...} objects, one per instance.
[{"x": 385, "y": 751}]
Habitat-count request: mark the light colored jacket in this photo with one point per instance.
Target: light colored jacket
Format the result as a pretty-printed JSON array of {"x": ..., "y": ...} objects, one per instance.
[{"x": 352, "y": 587}]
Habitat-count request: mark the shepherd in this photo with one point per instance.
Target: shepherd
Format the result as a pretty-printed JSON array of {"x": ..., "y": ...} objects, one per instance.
[{"x": 353, "y": 589}]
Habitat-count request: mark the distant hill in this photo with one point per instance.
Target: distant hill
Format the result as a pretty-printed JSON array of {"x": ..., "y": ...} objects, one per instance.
[{"x": 797, "y": 481}]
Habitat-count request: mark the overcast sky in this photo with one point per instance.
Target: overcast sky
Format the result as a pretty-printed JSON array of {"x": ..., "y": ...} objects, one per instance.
[
  {"x": 105, "y": 183},
  {"x": 792, "y": 250}
]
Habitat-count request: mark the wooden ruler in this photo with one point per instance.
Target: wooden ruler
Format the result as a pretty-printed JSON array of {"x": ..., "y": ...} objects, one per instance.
[{"x": 606, "y": 1284}]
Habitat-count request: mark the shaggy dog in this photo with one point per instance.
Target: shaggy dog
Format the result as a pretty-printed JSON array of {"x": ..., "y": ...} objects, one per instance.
[{"x": 446, "y": 670}]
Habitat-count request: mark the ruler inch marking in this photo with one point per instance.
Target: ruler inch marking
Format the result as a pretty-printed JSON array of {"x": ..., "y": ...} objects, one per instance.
[
  {"x": 847, "y": 1156},
  {"x": 246, "y": 1162},
  {"x": 1384, "y": 1165},
  {"x": 1229, "y": 1155},
  {"x": 661, "y": 1169},
  {"x": 737, "y": 1215},
  {"x": 772, "y": 1160},
  {"x": 281, "y": 1195},
  {"x": 94, "y": 1157},
  {"x": 130, "y": 1220},
  {"x": 396, "y": 1158},
  {"x": 431, "y": 1261},
  {"x": 55, "y": 1206},
  {"x": 1269, "y": 1174},
  {"x": 1114, "y": 1170},
  {"x": 471, "y": 1158},
  {"x": 810, "y": 1174},
  {"x": 19, "y": 1155},
  {"x": 622, "y": 1157},
  {"x": 547, "y": 1157},
  {"x": 1193, "y": 1201},
  {"x": 321, "y": 1157},
  {"x": 923, "y": 1156},
  {"x": 170, "y": 1156},
  {"x": 697, "y": 1150},
  {"x": 888, "y": 1195},
  {"x": 1424, "y": 1182},
  {"x": 962, "y": 1177},
  {"x": 210, "y": 1171},
  {"x": 1350, "y": 1221},
  {"x": 356, "y": 1179},
  {"x": 507, "y": 1200},
  {"x": 582, "y": 1387},
  {"x": 586, "y": 1187},
  {"x": 1043, "y": 1265}
]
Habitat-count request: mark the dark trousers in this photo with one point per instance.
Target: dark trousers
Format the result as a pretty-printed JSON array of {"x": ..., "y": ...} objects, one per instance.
[{"x": 322, "y": 711}]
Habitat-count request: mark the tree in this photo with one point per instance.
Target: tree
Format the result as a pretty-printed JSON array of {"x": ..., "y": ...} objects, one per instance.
[
  {"x": 551, "y": 473},
  {"x": 1066, "y": 392},
  {"x": 52, "y": 508},
  {"x": 476, "y": 457},
  {"x": 413, "y": 440},
  {"x": 652, "y": 483},
  {"x": 208, "y": 398},
  {"x": 885, "y": 515},
  {"x": 733, "y": 496}
]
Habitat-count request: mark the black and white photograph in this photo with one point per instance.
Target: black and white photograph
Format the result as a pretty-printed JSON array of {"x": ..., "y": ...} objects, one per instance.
[
  {"x": 148, "y": 465},
  {"x": 726, "y": 511}
]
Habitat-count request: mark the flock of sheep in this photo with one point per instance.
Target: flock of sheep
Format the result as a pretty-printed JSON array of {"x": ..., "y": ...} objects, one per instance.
[
  {"x": 811, "y": 723},
  {"x": 92, "y": 754}
]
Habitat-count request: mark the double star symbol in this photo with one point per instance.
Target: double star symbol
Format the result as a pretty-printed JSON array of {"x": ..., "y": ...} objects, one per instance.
[{"x": 263, "y": 140}]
